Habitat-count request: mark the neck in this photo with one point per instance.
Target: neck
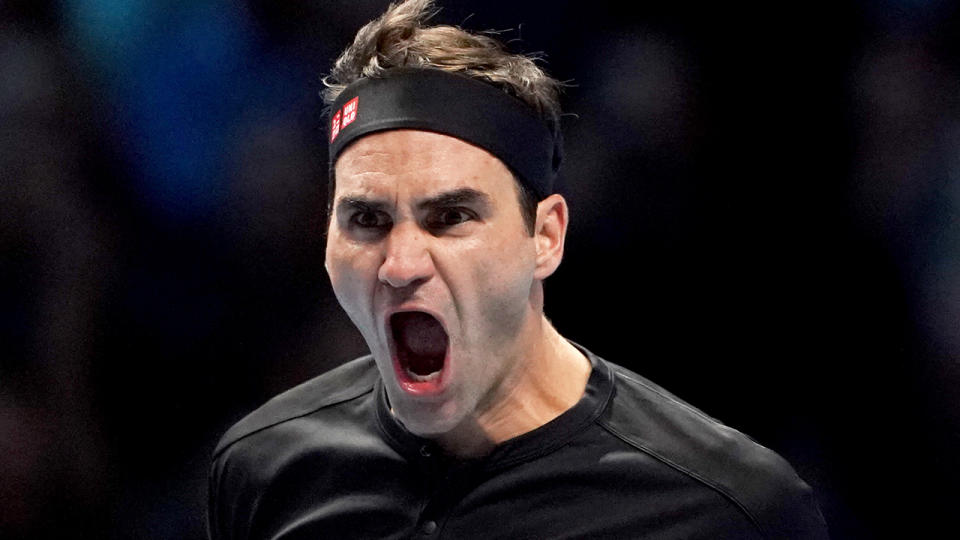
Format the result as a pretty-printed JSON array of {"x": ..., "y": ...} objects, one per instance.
[{"x": 549, "y": 378}]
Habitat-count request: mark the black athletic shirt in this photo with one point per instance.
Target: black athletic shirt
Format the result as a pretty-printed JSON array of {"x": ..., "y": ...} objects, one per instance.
[{"x": 328, "y": 460}]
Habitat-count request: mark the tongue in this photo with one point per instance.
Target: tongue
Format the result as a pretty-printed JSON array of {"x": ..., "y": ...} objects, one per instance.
[{"x": 424, "y": 341}]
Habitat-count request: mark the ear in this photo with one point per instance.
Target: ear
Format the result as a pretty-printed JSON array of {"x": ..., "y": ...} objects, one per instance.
[{"x": 550, "y": 232}]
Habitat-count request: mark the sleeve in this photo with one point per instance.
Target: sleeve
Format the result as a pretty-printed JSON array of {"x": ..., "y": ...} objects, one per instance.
[
  {"x": 795, "y": 514},
  {"x": 215, "y": 513},
  {"x": 231, "y": 499}
]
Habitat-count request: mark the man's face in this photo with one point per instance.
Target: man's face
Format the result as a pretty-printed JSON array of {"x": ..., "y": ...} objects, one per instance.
[{"x": 429, "y": 256}]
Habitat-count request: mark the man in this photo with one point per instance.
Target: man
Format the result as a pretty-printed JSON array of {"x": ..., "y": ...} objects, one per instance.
[{"x": 473, "y": 417}]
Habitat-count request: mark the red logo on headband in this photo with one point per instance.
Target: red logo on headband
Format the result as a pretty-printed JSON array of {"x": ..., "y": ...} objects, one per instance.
[
  {"x": 335, "y": 126},
  {"x": 349, "y": 114}
]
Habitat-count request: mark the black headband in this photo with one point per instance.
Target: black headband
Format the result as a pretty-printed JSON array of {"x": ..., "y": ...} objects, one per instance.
[{"x": 452, "y": 104}]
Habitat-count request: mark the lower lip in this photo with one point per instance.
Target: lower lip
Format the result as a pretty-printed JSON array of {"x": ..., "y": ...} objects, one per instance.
[{"x": 433, "y": 387}]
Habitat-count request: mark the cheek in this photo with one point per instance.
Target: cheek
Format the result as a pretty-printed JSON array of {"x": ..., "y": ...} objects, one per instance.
[
  {"x": 352, "y": 272},
  {"x": 503, "y": 281}
]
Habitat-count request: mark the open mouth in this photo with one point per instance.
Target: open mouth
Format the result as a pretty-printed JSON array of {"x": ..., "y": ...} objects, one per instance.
[{"x": 421, "y": 349}]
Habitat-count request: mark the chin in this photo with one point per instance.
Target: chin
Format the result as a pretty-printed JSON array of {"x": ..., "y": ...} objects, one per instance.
[{"x": 426, "y": 419}]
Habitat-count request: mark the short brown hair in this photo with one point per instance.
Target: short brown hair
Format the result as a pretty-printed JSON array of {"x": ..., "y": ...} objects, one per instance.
[{"x": 399, "y": 39}]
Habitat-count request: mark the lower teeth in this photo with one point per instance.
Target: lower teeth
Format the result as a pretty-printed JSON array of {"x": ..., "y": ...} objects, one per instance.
[{"x": 423, "y": 378}]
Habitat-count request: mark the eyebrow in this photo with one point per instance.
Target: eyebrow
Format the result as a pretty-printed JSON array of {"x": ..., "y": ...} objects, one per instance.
[
  {"x": 457, "y": 197},
  {"x": 347, "y": 204}
]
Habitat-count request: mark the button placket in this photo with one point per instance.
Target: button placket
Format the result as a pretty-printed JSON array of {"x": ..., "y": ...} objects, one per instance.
[
  {"x": 445, "y": 498},
  {"x": 428, "y": 527},
  {"x": 434, "y": 464}
]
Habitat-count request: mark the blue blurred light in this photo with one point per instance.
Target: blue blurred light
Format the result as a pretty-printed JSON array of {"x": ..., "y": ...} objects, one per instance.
[
  {"x": 107, "y": 29},
  {"x": 906, "y": 15},
  {"x": 174, "y": 75}
]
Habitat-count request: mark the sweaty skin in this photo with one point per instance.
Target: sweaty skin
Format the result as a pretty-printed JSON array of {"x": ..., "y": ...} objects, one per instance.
[{"x": 426, "y": 222}]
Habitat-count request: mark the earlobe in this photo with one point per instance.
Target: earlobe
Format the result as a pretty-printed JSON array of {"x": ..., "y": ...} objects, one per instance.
[{"x": 550, "y": 234}]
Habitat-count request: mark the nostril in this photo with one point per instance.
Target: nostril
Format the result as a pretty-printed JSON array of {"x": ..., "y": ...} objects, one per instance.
[{"x": 398, "y": 276}]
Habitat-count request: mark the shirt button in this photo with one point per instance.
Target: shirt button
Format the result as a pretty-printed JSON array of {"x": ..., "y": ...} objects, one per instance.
[
  {"x": 429, "y": 527},
  {"x": 425, "y": 452}
]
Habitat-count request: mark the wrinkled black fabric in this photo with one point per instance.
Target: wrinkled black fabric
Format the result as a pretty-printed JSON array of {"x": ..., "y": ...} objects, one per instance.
[
  {"x": 463, "y": 107},
  {"x": 328, "y": 460}
]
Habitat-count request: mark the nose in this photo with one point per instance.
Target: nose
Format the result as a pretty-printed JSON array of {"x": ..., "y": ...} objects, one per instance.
[{"x": 407, "y": 260}]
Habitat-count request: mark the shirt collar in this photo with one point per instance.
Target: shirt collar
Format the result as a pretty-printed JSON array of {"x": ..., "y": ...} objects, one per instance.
[{"x": 539, "y": 441}]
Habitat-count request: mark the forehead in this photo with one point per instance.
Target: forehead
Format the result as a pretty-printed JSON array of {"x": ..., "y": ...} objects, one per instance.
[{"x": 419, "y": 162}]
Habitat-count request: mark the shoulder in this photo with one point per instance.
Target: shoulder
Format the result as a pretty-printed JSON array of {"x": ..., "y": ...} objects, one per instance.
[
  {"x": 754, "y": 478},
  {"x": 279, "y": 440},
  {"x": 343, "y": 383}
]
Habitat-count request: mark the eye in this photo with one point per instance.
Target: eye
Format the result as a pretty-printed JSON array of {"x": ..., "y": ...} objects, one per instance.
[
  {"x": 445, "y": 218},
  {"x": 370, "y": 219}
]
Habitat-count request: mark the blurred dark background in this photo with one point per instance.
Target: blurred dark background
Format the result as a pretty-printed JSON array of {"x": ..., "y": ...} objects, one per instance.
[{"x": 766, "y": 220}]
